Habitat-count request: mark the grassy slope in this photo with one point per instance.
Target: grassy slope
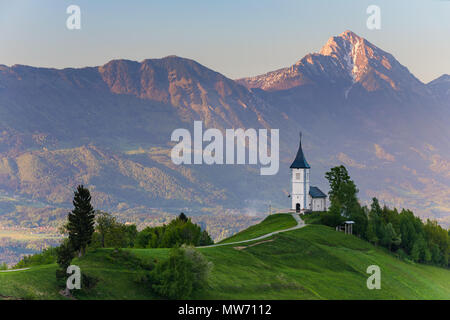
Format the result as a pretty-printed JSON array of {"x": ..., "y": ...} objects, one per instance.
[
  {"x": 38, "y": 283},
  {"x": 314, "y": 262},
  {"x": 272, "y": 223}
]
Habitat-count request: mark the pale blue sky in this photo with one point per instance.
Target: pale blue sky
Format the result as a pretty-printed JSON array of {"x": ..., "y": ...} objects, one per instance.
[{"x": 235, "y": 37}]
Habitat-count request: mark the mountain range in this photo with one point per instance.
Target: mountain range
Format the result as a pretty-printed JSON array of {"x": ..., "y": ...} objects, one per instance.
[{"x": 109, "y": 127}]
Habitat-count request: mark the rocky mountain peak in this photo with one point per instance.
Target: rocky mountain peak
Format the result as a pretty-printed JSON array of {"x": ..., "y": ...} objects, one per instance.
[
  {"x": 341, "y": 43},
  {"x": 357, "y": 55},
  {"x": 345, "y": 58}
]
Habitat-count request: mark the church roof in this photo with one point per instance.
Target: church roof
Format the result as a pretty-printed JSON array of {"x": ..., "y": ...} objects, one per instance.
[
  {"x": 315, "y": 192},
  {"x": 300, "y": 161}
]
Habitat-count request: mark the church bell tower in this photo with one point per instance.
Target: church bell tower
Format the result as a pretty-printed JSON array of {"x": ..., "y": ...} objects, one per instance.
[{"x": 300, "y": 181}]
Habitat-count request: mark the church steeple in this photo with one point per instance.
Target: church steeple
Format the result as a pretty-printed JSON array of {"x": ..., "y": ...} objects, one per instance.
[
  {"x": 300, "y": 161},
  {"x": 303, "y": 196}
]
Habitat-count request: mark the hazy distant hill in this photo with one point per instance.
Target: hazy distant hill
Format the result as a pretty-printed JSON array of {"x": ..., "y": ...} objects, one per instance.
[
  {"x": 109, "y": 127},
  {"x": 441, "y": 88}
]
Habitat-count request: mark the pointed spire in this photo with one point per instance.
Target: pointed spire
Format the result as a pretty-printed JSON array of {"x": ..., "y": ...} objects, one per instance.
[{"x": 300, "y": 161}]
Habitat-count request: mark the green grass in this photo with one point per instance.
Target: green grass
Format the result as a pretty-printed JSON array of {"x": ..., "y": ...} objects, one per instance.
[
  {"x": 36, "y": 283},
  {"x": 314, "y": 262},
  {"x": 272, "y": 223}
]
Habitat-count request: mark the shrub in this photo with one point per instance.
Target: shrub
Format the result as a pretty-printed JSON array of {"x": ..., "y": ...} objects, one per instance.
[
  {"x": 323, "y": 217},
  {"x": 65, "y": 253},
  {"x": 178, "y": 232},
  {"x": 88, "y": 282},
  {"x": 401, "y": 254},
  {"x": 181, "y": 275},
  {"x": 47, "y": 256},
  {"x": 128, "y": 259}
]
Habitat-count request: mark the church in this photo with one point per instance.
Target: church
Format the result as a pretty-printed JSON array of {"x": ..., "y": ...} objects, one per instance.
[{"x": 304, "y": 197}]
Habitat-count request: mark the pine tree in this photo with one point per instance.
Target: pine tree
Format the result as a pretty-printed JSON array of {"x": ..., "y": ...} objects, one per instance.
[
  {"x": 183, "y": 217},
  {"x": 81, "y": 220}
]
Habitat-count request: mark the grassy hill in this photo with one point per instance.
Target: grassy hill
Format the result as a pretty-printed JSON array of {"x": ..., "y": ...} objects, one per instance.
[
  {"x": 271, "y": 223},
  {"x": 314, "y": 262}
]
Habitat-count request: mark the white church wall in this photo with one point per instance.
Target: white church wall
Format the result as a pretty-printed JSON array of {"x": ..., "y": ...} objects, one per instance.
[
  {"x": 318, "y": 204},
  {"x": 300, "y": 188}
]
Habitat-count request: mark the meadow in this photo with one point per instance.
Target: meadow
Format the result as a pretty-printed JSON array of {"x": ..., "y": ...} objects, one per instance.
[{"x": 314, "y": 262}]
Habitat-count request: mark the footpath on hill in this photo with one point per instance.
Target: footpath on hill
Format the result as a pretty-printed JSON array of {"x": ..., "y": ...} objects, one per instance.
[
  {"x": 12, "y": 270},
  {"x": 300, "y": 224}
]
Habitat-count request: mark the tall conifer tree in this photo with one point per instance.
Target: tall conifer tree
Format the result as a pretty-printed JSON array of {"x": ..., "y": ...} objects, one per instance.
[{"x": 81, "y": 220}]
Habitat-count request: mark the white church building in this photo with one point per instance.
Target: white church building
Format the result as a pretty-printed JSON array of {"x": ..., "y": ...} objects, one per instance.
[{"x": 304, "y": 196}]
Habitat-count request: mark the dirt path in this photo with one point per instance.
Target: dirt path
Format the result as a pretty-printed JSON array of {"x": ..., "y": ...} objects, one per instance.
[
  {"x": 252, "y": 245},
  {"x": 13, "y": 270},
  {"x": 2, "y": 297},
  {"x": 300, "y": 224}
]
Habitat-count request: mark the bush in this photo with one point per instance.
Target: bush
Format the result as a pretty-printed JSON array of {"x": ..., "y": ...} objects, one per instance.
[
  {"x": 61, "y": 278},
  {"x": 65, "y": 254},
  {"x": 128, "y": 259},
  {"x": 313, "y": 217},
  {"x": 201, "y": 267},
  {"x": 47, "y": 256},
  {"x": 178, "y": 232},
  {"x": 181, "y": 275},
  {"x": 323, "y": 217},
  {"x": 88, "y": 282},
  {"x": 401, "y": 254}
]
